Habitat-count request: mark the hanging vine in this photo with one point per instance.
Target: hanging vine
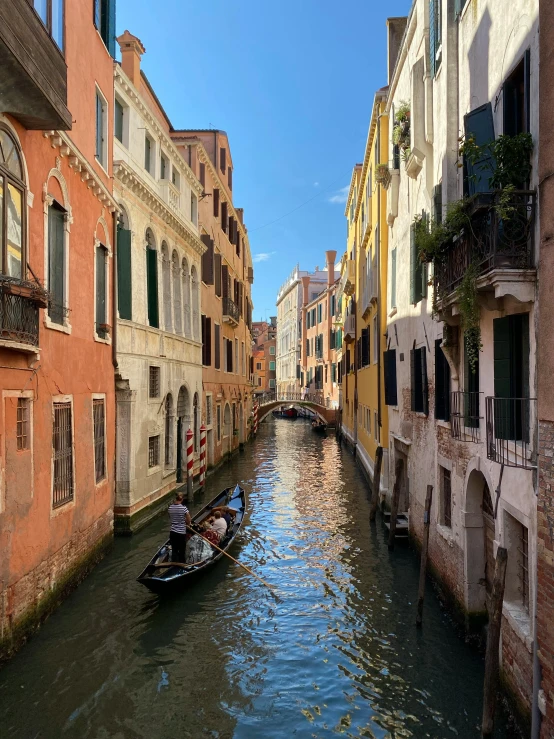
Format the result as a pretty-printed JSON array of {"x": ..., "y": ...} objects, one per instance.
[{"x": 470, "y": 316}]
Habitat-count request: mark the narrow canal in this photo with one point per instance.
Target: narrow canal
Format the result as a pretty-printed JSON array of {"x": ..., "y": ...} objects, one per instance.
[{"x": 335, "y": 653}]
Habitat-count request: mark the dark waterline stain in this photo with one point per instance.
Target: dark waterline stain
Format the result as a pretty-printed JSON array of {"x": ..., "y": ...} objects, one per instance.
[{"x": 335, "y": 653}]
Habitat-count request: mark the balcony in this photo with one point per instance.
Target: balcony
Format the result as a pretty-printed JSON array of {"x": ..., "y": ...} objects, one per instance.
[
  {"x": 509, "y": 431},
  {"x": 501, "y": 249},
  {"x": 171, "y": 196},
  {"x": 230, "y": 312},
  {"x": 347, "y": 283},
  {"x": 33, "y": 84},
  {"x": 465, "y": 416},
  {"x": 20, "y": 301},
  {"x": 350, "y": 328}
]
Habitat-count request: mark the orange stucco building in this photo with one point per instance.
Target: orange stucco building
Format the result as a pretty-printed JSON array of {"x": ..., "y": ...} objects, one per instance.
[
  {"x": 227, "y": 275},
  {"x": 57, "y": 415}
]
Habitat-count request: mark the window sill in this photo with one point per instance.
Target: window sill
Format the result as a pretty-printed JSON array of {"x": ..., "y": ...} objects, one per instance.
[
  {"x": 69, "y": 506},
  {"x": 102, "y": 167},
  {"x": 102, "y": 482},
  {"x": 62, "y": 328},
  {"x": 446, "y": 533},
  {"x": 519, "y": 619},
  {"x": 443, "y": 424},
  {"x": 100, "y": 340},
  {"x": 154, "y": 470}
]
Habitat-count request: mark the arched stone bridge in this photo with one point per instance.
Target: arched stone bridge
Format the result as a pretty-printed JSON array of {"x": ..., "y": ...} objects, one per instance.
[{"x": 314, "y": 402}]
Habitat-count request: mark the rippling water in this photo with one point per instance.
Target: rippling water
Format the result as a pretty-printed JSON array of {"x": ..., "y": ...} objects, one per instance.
[{"x": 333, "y": 652}]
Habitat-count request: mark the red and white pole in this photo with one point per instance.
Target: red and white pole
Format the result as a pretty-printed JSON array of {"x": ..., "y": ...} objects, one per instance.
[
  {"x": 202, "y": 456},
  {"x": 255, "y": 419},
  {"x": 190, "y": 462}
]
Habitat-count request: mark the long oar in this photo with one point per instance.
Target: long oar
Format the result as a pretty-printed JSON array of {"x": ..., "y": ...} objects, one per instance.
[{"x": 244, "y": 567}]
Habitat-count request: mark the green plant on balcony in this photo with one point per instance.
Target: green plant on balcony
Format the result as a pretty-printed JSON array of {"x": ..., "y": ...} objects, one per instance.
[
  {"x": 510, "y": 155},
  {"x": 382, "y": 174},
  {"x": 469, "y": 314},
  {"x": 401, "y": 126}
]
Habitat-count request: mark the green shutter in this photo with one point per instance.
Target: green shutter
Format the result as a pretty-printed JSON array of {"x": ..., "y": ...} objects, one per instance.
[
  {"x": 432, "y": 37},
  {"x": 152, "y": 286},
  {"x": 124, "y": 301},
  {"x": 479, "y": 123},
  {"x": 110, "y": 27},
  {"x": 100, "y": 290},
  {"x": 56, "y": 264},
  {"x": 424, "y": 383}
]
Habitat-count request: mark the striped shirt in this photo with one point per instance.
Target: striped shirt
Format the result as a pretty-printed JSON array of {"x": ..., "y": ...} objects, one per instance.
[{"x": 177, "y": 514}]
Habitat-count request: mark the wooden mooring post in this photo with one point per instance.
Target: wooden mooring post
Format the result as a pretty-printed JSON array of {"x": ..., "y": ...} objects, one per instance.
[
  {"x": 376, "y": 483},
  {"x": 424, "y": 552},
  {"x": 493, "y": 643},
  {"x": 398, "y": 468}
]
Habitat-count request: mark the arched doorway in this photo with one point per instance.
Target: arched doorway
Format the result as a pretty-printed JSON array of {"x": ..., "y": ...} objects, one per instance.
[
  {"x": 183, "y": 423},
  {"x": 479, "y": 542}
]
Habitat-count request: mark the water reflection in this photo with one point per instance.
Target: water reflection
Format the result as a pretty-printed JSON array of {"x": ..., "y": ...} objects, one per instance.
[{"x": 336, "y": 652}]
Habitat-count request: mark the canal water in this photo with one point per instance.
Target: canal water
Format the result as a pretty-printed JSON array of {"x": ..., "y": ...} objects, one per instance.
[{"x": 334, "y": 652}]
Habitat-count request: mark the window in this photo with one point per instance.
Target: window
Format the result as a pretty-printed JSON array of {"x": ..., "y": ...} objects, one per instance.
[
  {"x": 12, "y": 189},
  {"x": 471, "y": 387},
  {"x": 222, "y": 159},
  {"x": 217, "y": 274},
  {"x": 56, "y": 263},
  {"x": 118, "y": 120},
  {"x": 435, "y": 34},
  {"x": 511, "y": 376},
  {"x": 272, "y": 383},
  {"x": 242, "y": 359},
  {"x": 218, "y": 417},
  {"x": 224, "y": 217},
  {"x": 101, "y": 129},
  {"x": 194, "y": 209},
  {"x": 259, "y": 381},
  {"x": 258, "y": 366},
  {"x": 375, "y": 339},
  {"x": 272, "y": 350},
  {"x": 62, "y": 449},
  {"x": 319, "y": 309},
  {"x": 102, "y": 329},
  {"x": 22, "y": 431},
  {"x": 418, "y": 270},
  {"x": 124, "y": 292},
  {"x": 217, "y": 346},
  {"x": 202, "y": 174},
  {"x": 442, "y": 384},
  {"x": 420, "y": 399},
  {"x": 152, "y": 280},
  {"x": 104, "y": 20},
  {"x": 516, "y": 541},
  {"x": 153, "y": 451},
  {"x": 206, "y": 323},
  {"x": 516, "y": 98},
  {"x": 164, "y": 167},
  {"x": 216, "y": 202},
  {"x": 99, "y": 421},
  {"x": 51, "y": 13},
  {"x": 236, "y": 355},
  {"x": 175, "y": 177},
  {"x": 479, "y": 123},
  {"x": 459, "y": 6},
  {"x": 154, "y": 382},
  {"x": 272, "y": 366},
  {"x": 228, "y": 348},
  {"x": 148, "y": 160},
  {"x": 446, "y": 497},
  {"x": 365, "y": 346},
  {"x": 393, "y": 279},
  {"x": 230, "y": 178},
  {"x": 208, "y": 410},
  {"x": 168, "y": 458}
]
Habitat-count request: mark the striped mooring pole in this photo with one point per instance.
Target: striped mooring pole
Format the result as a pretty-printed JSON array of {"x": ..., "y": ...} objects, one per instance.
[
  {"x": 190, "y": 462},
  {"x": 202, "y": 456},
  {"x": 255, "y": 419}
]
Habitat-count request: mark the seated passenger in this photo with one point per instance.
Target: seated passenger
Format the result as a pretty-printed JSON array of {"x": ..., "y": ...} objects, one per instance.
[{"x": 219, "y": 525}]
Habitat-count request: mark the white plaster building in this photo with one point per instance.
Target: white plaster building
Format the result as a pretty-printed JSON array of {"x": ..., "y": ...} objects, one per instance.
[
  {"x": 467, "y": 68},
  {"x": 158, "y": 334}
]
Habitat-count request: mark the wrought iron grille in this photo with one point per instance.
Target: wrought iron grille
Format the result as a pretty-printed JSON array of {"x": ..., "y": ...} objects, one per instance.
[
  {"x": 62, "y": 443},
  {"x": 23, "y": 406},
  {"x": 154, "y": 382},
  {"x": 18, "y": 318},
  {"x": 153, "y": 451},
  {"x": 98, "y": 413},
  {"x": 523, "y": 565},
  {"x": 465, "y": 416},
  {"x": 495, "y": 238},
  {"x": 230, "y": 309},
  {"x": 508, "y": 422}
]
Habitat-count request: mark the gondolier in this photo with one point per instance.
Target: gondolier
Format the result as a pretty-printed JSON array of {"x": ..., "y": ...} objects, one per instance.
[{"x": 180, "y": 518}]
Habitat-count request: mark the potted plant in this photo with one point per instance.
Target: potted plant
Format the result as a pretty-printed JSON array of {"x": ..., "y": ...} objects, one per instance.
[
  {"x": 382, "y": 174},
  {"x": 401, "y": 126}
]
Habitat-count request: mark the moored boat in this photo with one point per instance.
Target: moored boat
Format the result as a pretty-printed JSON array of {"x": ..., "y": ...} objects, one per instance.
[
  {"x": 286, "y": 412},
  {"x": 319, "y": 427},
  {"x": 162, "y": 575}
]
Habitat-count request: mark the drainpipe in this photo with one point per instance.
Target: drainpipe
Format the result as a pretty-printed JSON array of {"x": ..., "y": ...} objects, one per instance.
[
  {"x": 114, "y": 293},
  {"x": 378, "y": 248}
]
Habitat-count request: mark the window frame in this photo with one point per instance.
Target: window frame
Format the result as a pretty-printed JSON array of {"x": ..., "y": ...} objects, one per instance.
[
  {"x": 98, "y": 334},
  {"x": 154, "y": 382},
  {"x": 7, "y": 178},
  {"x": 47, "y": 23},
  {"x": 96, "y": 399},
  {"x": 155, "y": 449},
  {"x": 67, "y": 401}
]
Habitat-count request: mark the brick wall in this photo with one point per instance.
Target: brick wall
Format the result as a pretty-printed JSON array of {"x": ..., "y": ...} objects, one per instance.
[
  {"x": 545, "y": 571},
  {"x": 516, "y": 666}
]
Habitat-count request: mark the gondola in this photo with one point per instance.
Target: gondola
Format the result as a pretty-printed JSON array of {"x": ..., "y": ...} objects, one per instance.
[
  {"x": 319, "y": 427},
  {"x": 165, "y": 578},
  {"x": 286, "y": 413}
]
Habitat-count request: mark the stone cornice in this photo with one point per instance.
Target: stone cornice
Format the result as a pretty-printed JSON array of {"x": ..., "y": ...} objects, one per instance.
[
  {"x": 78, "y": 162},
  {"x": 129, "y": 179},
  {"x": 130, "y": 90}
]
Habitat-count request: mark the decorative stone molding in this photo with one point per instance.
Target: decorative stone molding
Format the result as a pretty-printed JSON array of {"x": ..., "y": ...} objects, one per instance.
[
  {"x": 130, "y": 180},
  {"x": 414, "y": 163},
  {"x": 78, "y": 162}
]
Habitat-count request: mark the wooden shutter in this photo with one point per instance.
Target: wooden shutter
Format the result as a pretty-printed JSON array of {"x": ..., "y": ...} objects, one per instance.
[
  {"x": 152, "y": 286},
  {"x": 224, "y": 217},
  {"x": 56, "y": 263},
  {"x": 208, "y": 341},
  {"x": 225, "y": 280},
  {"x": 365, "y": 346},
  {"x": 424, "y": 383},
  {"x": 217, "y": 275},
  {"x": 413, "y": 379},
  {"x": 222, "y": 159},
  {"x": 230, "y": 178},
  {"x": 217, "y": 342},
  {"x": 124, "y": 300},
  {"x": 216, "y": 202},
  {"x": 241, "y": 295},
  {"x": 389, "y": 362},
  {"x": 203, "y": 332},
  {"x": 202, "y": 174},
  {"x": 100, "y": 289},
  {"x": 229, "y": 356},
  {"x": 110, "y": 27},
  {"x": 238, "y": 243},
  {"x": 479, "y": 123},
  {"x": 208, "y": 260},
  {"x": 442, "y": 384}
]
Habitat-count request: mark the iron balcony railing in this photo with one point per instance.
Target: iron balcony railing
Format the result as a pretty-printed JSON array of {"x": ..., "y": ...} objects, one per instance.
[
  {"x": 20, "y": 301},
  {"x": 499, "y": 235},
  {"x": 465, "y": 416},
  {"x": 230, "y": 309},
  {"x": 509, "y": 437}
]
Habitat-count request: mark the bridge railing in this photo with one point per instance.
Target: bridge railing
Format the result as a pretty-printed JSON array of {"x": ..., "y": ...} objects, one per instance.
[{"x": 316, "y": 397}]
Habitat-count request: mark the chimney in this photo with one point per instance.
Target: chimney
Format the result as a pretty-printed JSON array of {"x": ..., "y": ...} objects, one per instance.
[
  {"x": 305, "y": 290},
  {"x": 131, "y": 52},
  {"x": 330, "y": 256},
  {"x": 395, "y": 28},
  {"x": 240, "y": 214}
]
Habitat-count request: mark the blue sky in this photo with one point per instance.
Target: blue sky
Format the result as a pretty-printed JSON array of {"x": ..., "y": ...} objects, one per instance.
[{"x": 292, "y": 83}]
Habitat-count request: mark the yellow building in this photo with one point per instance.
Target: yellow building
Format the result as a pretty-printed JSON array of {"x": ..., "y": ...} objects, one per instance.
[{"x": 363, "y": 289}]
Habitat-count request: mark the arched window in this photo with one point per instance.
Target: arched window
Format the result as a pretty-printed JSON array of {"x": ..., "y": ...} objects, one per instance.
[
  {"x": 166, "y": 286},
  {"x": 169, "y": 426},
  {"x": 124, "y": 281},
  {"x": 152, "y": 279},
  {"x": 186, "y": 299},
  {"x": 12, "y": 204},
  {"x": 227, "y": 420},
  {"x": 195, "y": 301},
  {"x": 177, "y": 309},
  {"x": 196, "y": 421}
]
